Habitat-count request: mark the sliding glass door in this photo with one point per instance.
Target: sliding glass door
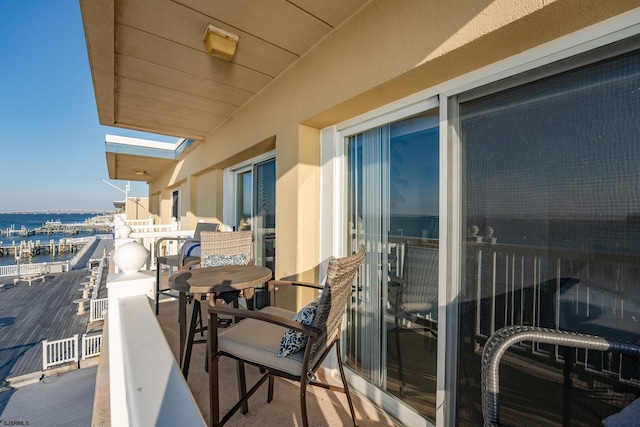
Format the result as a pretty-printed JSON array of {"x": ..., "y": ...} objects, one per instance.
[
  {"x": 551, "y": 207},
  {"x": 393, "y": 200},
  {"x": 175, "y": 204},
  {"x": 251, "y": 196}
]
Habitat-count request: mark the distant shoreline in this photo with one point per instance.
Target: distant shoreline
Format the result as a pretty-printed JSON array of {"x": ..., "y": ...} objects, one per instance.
[{"x": 60, "y": 225}]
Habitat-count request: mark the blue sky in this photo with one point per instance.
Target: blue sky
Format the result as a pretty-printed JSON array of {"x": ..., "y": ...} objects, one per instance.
[{"x": 52, "y": 154}]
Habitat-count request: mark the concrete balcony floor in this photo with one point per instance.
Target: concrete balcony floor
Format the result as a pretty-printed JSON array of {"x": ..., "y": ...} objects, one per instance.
[{"x": 325, "y": 408}]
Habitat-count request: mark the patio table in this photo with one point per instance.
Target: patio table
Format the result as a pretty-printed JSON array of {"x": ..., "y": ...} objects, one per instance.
[{"x": 212, "y": 281}]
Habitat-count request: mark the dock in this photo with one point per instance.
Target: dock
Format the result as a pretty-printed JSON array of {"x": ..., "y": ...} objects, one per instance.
[
  {"x": 56, "y": 227},
  {"x": 42, "y": 311},
  {"x": 29, "y": 248},
  {"x": 31, "y": 314}
]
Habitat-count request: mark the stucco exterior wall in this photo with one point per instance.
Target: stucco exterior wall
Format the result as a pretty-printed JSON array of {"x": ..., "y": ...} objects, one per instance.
[
  {"x": 206, "y": 201},
  {"x": 137, "y": 208},
  {"x": 388, "y": 51}
]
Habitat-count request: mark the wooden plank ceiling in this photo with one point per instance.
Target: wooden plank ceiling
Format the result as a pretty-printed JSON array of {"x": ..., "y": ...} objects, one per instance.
[{"x": 151, "y": 72}]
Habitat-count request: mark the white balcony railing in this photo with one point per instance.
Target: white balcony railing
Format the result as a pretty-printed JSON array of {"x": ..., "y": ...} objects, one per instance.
[
  {"x": 148, "y": 382},
  {"x": 59, "y": 351},
  {"x": 98, "y": 309},
  {"x": 91, "y": 345},
  {"x": 537, "y": 286},
  {"x": 143, "y": 390},
  {"x": 143, "y": 222},
  {"x": 67, "y": 350}
]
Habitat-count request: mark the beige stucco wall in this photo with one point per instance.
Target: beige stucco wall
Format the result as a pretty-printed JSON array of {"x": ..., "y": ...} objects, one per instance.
[
  {"x": 391, "y": 49},
  {"x": 206, "y": 201},
  {"x": 137, "y": 208}
]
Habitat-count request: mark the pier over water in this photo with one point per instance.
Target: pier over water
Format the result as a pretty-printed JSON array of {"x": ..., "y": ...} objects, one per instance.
[
  {"x": 29, "y": 249},
  {"x": 57, "y": 227},
  {"x": 48, "y": 237}
]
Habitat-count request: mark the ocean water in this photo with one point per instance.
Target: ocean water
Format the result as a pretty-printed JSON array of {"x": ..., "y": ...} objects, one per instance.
[
  {"x": 33, "y": 221},
  {"x": 607, "y": 236}
]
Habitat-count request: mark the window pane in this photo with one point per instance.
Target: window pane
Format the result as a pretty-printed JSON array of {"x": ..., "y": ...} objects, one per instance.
[
  {"x": 265, "y": 214},
  {"x": 243, "y": 200},
  {"x": 552, "y": 214},
  {"x": 175, "y": 205},
  {"x": 393, "y": 201}
]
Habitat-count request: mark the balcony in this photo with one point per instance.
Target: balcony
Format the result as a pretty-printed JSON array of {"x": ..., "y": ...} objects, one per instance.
[
  {"x": 512, "y": 285},
  {"x": 139, "y": 381}
]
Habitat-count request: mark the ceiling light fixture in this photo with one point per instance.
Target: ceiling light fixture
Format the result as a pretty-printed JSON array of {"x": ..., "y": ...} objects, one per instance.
[
  {"x": 220, "y": 43},
  {"x": 139, "y": 173}
]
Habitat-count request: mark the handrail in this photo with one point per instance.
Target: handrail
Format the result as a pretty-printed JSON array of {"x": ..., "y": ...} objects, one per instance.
[
  {"x": 149, "y": 241},
  {"x": 156, "y": 391},
  {"x": 172, "y": 233},
  {"x": 151, "y": 228},
  {"x": 504, "y": 338}
]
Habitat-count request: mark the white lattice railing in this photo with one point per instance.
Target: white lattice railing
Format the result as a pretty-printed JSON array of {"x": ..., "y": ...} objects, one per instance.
[
  {"x": 91, "y": 345},
  {"x": 98, "y": 309},
  {"x": 59, "y": 351}
]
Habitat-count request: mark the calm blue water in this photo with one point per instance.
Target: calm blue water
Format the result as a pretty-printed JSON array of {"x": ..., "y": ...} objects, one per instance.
[
  {"x": 33, "y": 221},
  {"x": 607, "y": 236}
]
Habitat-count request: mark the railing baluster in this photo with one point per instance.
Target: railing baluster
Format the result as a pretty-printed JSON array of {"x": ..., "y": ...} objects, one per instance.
[
  {"x": 540, "y": 273},
  {"x": 493, "y": 293}
]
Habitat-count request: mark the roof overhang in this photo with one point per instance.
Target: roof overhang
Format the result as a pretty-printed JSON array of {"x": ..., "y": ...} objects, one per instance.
[
  {"x": 135, "y": 159},
  {"x": 151, "y": 71}
]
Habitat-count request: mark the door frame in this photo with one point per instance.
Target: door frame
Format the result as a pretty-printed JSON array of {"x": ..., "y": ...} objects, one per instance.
[
  {"x": 336, "y": 185},
  {"x": 229, "y": 182},
  {"x": 333, "y": 213}
]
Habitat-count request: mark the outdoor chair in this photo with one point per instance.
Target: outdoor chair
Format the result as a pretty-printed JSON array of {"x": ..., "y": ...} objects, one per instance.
[
  {"x": 414, "y": 296},
  {"x": 273, "y": 339},
  {"x": 183, "y": 256},
  {"x": 502, "y": 339},
  {"x": 216, "y": 249}
]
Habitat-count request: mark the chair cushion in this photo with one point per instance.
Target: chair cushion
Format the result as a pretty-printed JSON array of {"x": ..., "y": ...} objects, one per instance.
[
  {"x": 627, "y": 417},
  {"x": 215, "y": 260},
  {"x": 259, "y": 342},
  {"x": 190, "y": 248},
  {"x": 294, "y": 341}
]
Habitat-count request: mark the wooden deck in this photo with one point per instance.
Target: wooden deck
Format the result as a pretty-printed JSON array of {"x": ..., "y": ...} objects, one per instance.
[{"x": 31, "y": 314}]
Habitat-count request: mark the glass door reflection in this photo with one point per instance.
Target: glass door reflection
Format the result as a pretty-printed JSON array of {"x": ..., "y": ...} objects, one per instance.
[{"x": 393, "y": 178}]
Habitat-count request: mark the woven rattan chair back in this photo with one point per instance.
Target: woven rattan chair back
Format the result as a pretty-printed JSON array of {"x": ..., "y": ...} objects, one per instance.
[
  {"x": 226, "y": 243},
  {"x": 333, "y": 300},
  {"x": 421, "y": 275}
]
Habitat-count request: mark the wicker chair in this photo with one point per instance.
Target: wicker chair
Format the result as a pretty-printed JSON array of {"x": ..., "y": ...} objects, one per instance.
[
  {"x": 177, "y": 260},
  {"x": 504, "y": 338},
  {"x": 414, "y": 296},
  {"x": 211, "y": 244},
  {"x": 256, "y": 340}
]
